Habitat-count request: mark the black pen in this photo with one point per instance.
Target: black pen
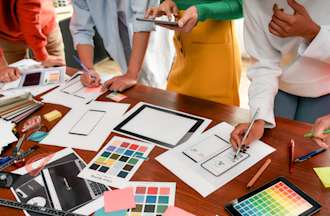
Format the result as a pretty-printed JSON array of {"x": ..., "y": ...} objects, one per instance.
[{"x": 310, "y": 155}]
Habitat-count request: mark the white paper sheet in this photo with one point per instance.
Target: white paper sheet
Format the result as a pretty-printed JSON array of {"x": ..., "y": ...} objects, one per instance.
[
  {"x": 84, "y": 210},
  {"x": 199, "y": 178},
  {"x": 159, "y": 125},
  {"x": 6, "y": 134},
  {"x": 60, "y": 136},
  {"x": 64, "y": 96}
]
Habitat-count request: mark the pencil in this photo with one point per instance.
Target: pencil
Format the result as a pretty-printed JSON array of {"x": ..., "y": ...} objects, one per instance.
[
  {"x": 291, "y": 155},
  {"x": 259, "y": 172},
  {"x": 311, "y": 134},
  {"x": 247, "y": 132}
]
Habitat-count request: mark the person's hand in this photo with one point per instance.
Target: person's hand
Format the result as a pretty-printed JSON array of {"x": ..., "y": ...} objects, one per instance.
[
  {"x": 9, "y": 74},
  {"x": 187, "y": 22},
  {"x": 32, "y": 123},
  {"x": 52, "y": 61},
  {"x": 168, "y": 8},
  {"x": 320, "y": 125},
  {"x": 300, "y": 24},
  {"x": 120, "y": 83},
  {"x": 90, "y": 80},
  {"x": 256, "y": 133}
]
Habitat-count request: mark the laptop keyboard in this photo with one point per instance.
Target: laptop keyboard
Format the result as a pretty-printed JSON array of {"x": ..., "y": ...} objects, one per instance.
[{"x": 97, "y": 188}]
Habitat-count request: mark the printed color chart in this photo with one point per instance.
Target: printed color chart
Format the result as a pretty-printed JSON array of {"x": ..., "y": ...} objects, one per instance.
[
  {"x": 152, "y": 198},
  {"x": 278, "y": 199},
  {"x": 117, "y": 162}
]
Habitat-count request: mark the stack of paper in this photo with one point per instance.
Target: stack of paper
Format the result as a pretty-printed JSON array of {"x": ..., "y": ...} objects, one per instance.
[
  {"x": 324, "y": 174},
  {"x": 6, "y": 134},
  {"x": 15, "y": 109}
]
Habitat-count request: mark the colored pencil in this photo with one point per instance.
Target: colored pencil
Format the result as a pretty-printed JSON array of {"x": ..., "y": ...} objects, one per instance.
[{"x": 258, "y": 173}]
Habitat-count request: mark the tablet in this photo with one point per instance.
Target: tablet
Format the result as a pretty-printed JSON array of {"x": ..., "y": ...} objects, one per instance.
[
  {"x": 159, "y": 22},
  {"x": 278, "y": 197}
]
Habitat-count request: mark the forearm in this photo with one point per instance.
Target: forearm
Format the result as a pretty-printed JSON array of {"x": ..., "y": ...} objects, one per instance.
[
  {"x": 140, "y": 45},
  {"x": 86, "y": 54}
]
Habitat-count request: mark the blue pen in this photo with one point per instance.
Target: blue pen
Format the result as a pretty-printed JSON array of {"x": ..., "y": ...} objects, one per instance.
[
  {"x": 86, "y": 70},
  {"x": 310, "y": 155}
]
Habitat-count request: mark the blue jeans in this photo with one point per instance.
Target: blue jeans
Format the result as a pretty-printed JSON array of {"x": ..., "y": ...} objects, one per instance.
[{"x": 301, "y": 108}]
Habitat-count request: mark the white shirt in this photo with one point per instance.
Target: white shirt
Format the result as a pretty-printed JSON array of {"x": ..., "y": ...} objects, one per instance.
[{"x": 289, "y": 64}]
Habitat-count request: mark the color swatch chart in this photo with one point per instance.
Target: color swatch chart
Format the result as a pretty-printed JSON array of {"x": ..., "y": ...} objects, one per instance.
[
  {"x": 152, "y": 198},
  {"x": 117, "y": 162},
  {"x": 278, "y": 199}
]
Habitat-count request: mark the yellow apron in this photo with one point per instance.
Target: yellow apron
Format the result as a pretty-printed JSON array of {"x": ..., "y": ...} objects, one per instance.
[{"x": 207, "y": 63}]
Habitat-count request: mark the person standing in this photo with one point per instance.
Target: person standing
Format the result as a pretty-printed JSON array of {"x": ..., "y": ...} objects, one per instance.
[
  {"x": 30, "y": 24},
  {"x": 207, "y": 63},
  {"x": 290, "y": 45}
]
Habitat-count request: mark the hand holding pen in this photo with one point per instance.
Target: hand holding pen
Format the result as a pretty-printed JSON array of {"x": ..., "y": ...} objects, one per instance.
[
  {"x": 321, "y": 132},
  {"x": 244, "y": 134},
  {"x": 89, "y": 78}
]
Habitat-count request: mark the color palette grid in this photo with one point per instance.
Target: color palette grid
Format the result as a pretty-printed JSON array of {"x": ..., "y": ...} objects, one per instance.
[
  {"x": 117, "y": 162},
  {"x": 152, "y": 198},
  {"x": 276, "y": 200}
]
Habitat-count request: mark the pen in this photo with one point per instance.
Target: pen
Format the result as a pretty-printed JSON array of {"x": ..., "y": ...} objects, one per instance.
[
  {"x": 291, "y": 155},
  {"x": 86, "y": 70},
  {"x": 247, "y": 132},
  {"x": 311, "y": 134},
  {"x": 259, "y": 172},
  {"x": 310, "y": 155}
]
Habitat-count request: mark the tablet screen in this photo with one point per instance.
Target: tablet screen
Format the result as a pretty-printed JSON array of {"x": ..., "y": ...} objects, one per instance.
[{"x": 279, "y": 197}]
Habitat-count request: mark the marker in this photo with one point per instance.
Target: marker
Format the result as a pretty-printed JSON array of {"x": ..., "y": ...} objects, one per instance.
[
  {"x": 291, "y": 155},
  {"x": 247, "y": 133},
  {"x": 311, "y": 134},
  {"x": 310, "y": 155},
  {"x": 259, "y": 172}
]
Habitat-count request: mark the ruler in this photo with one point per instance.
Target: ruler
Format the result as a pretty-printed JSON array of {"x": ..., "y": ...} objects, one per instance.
[
  {"x": 35, "y": 209},
  {"x": 18, "y": 157}
]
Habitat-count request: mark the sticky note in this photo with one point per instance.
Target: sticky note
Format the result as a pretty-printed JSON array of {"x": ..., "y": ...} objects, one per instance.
[
  {"x": 115, "y": 96},
  {"x": 93, "y": 90},
  {"x": 101, "y": 212},
  {"x": 51, "y": 116},
  {"x": 120, "y": 199},
  {"x": 324, "y": 174},
  {"x": 175, "y": 211}
]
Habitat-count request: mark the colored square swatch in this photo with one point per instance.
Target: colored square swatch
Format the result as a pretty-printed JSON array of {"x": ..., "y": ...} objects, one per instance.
[
  {"x": 175, "y": 211},
  {"x": 120, "y": 199}
]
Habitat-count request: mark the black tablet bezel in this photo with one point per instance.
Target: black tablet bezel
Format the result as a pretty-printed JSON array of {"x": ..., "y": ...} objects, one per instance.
[
  {"x": 316, "y": 206},
  {"x": 198, "y": 123}
]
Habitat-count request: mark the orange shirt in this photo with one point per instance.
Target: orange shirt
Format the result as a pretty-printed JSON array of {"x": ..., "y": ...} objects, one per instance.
[{"x": 29, "y": 21}]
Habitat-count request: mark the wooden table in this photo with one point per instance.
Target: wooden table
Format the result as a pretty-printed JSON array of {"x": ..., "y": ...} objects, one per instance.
[{"x": 186, "y": 198}]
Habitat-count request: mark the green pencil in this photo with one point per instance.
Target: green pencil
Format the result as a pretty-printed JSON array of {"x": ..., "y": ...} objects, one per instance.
[{"x": 311, "y": 134}]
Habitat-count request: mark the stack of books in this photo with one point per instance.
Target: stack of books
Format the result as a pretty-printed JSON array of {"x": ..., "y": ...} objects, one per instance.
[{"x": 17, "y": 108}]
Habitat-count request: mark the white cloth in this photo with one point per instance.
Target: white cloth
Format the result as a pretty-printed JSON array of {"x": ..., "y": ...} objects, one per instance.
[{"x": 288, "y": 64}]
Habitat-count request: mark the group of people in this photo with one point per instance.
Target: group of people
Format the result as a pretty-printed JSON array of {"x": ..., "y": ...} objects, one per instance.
[{"x": 287, "y": 40}]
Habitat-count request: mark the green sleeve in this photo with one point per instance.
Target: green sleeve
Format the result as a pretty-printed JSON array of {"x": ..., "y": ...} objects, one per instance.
[{"x": 220, "y": 10}]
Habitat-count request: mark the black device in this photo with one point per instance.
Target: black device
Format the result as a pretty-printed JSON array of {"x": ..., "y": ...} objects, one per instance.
[
  {"x": 36, "y": 209},
  {"x": 159, "y": 22},
  {"x": 7, "y": 179},
  {"x": 268, "y": 199}
]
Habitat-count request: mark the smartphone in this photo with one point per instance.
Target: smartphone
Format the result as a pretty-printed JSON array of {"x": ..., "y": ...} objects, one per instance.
[
  {"x": 87, "y": 122},
  {"x": 159, "y": 22},
  {"x": 224, "y": 161}
]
